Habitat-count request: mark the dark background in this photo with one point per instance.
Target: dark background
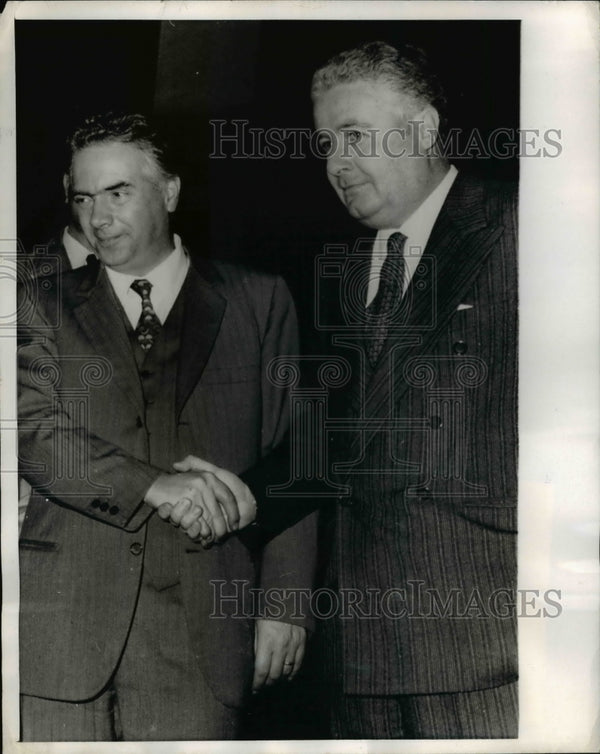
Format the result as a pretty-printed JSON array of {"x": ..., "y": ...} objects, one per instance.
[
  {"x": 273, "y": 213},
  {"x": 265, "y": 210}
]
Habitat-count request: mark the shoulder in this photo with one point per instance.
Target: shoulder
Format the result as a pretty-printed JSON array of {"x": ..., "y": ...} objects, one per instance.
[
  {"x": 474, "y": 201},
  {"x": 241, "y": 280},
  {"x": 501, "y": 196},
  {"x": 498, "y": 198},
  {"x": 238, "y": 274},
  {"x": 54, "y": 294},
  {"x": 255, "y": 298}
]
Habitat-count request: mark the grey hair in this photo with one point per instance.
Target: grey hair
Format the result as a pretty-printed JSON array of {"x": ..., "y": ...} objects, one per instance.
[
  {"x": 405, "y": 68},
  {"x": 125, "y": 128}
]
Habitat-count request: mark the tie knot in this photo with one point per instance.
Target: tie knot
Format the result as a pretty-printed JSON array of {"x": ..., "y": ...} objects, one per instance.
[
  {"x": 395, "y": 244},
  {"x": 142, "y": 287}
]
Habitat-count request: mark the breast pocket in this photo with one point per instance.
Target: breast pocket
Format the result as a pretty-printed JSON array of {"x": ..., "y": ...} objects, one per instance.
[{"x": 37, "y": 545}]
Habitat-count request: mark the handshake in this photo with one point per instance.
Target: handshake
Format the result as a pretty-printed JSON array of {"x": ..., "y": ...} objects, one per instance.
[{"x": 205, "y": 501}]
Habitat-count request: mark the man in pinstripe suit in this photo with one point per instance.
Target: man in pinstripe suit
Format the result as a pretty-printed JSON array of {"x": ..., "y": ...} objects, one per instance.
[
  {"x": 125, "y": 367},
  {"x": 431, "y": 518},
  {"x": 423, "y": 561}
]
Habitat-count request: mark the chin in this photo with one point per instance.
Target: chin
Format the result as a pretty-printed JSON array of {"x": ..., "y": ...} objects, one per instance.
[
  {"x": 358, "y": 212},
  {"x": 115, "y": 259},
  {"x": 364, "y": 216}
]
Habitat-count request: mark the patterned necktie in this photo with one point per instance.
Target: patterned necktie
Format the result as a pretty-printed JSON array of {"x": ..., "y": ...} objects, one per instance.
[
  {"x": 148, "y": 324},
  {"x": 391, "y": 285}
]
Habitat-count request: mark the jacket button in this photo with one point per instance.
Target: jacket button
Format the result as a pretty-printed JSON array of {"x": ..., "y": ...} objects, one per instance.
[
  {"x": 104, "y": 506},
  {"x": 95, "y": 503},
  {"x": 459, "y": 347},
  {"x": 136, "y": 548},
  {"x": 113, "y": 510}
]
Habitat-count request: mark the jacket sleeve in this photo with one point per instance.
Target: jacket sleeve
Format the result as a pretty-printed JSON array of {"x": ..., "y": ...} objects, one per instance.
[
  {"x": 288, "y": 561},
  {"x": 54, "y": 438}
]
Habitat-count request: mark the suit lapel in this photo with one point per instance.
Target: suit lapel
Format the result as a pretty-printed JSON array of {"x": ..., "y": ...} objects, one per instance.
[
  {"x": 203, "y": 312},
  {"x": 100, "y": 316},
  {"x": 460, "y": 243}
]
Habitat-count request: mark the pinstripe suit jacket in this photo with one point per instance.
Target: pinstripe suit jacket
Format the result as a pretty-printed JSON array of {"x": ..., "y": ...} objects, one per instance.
[
  {"x": 431, "y": 520},
  {"x": 91, "y": 443},
  {"x": 423, "y": 559}
]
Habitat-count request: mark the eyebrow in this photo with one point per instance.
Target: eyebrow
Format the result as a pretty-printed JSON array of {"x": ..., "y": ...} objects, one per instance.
[
  {"x": 347, "y": 124},
  {"x": 113, "y": 187}
]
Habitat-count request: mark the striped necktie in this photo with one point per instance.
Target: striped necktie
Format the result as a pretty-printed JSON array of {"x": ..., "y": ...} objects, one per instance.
[
  {"x": 148, "y": 324},
  {"x": 380, "y": 311}
]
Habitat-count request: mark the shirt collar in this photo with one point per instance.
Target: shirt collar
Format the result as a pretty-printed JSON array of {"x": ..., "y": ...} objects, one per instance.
[
  {"x": 76, "y": 251},
  {"x": 164, "y": 277}
]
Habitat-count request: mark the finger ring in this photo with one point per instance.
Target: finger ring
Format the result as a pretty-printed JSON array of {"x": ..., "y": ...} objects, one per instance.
[{"x": 288, "y": 663}]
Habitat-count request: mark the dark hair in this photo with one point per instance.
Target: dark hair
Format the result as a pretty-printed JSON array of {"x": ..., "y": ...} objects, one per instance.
[
  {"x": 405, "y": 68},
  {"x": 126, "y": 128}
]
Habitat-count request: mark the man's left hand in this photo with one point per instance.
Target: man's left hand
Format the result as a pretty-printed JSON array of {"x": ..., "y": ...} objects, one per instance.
[{"x": 278, "y": 651}]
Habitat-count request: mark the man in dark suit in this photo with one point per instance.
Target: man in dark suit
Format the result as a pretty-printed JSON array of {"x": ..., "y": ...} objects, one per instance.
[
  {"x": 430, "y": 521},
  {"x": 129, "y": 628},
  {"x": 422, "y": 639}
]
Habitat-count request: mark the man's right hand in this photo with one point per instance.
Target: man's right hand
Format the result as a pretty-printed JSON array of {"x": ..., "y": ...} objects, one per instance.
[
  {"x": 246, "y": 504},
  {"x": 181, "y": 515},
  {"x": 197, "y": 501}
]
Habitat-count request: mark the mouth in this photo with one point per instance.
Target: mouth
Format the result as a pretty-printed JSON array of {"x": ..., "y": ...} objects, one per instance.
[
  {"x": 352, "y": 189},
  {"x": 106, "y": 240}
]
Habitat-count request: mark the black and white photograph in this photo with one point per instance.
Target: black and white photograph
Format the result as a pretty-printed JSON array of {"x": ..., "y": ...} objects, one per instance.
[{"x": 300, "y": 376}]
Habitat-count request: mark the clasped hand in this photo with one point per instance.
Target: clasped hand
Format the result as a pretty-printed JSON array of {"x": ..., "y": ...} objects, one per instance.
[
  {"x": 205, "y": 501},
  {"x": 208, "y": 502}
]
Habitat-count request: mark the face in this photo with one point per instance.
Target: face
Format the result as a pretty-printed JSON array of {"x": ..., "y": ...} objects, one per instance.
[
  {"x": 371, "y": 150},
  {"x": 122, "y": 205}
]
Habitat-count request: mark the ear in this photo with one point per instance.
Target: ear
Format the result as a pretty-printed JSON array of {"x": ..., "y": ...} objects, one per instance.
[
  {"x": 172, "y": 189},
  {"x": 429, "y": 123},
  {"x": 66, "y": 186}
]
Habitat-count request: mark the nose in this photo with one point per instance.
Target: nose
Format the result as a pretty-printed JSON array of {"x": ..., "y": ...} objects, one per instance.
[
  {"x": 339, "y": 160},
  {"x": 337, "y": 164},
  {"x": 101, "y": 214}
]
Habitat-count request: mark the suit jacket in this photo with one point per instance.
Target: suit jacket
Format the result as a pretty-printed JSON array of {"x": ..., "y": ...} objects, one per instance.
[
  {"x": 95, "y": 432},
  {"x": 423, "y": 553},
  {"x": 45, "y": 260}
]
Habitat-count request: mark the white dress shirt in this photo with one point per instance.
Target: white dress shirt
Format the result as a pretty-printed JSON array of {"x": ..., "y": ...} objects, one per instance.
[
  {"x": 76, "y": 251},
  {"x": 417, "y": 229},
  {"x": 166, "y": 278}
]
